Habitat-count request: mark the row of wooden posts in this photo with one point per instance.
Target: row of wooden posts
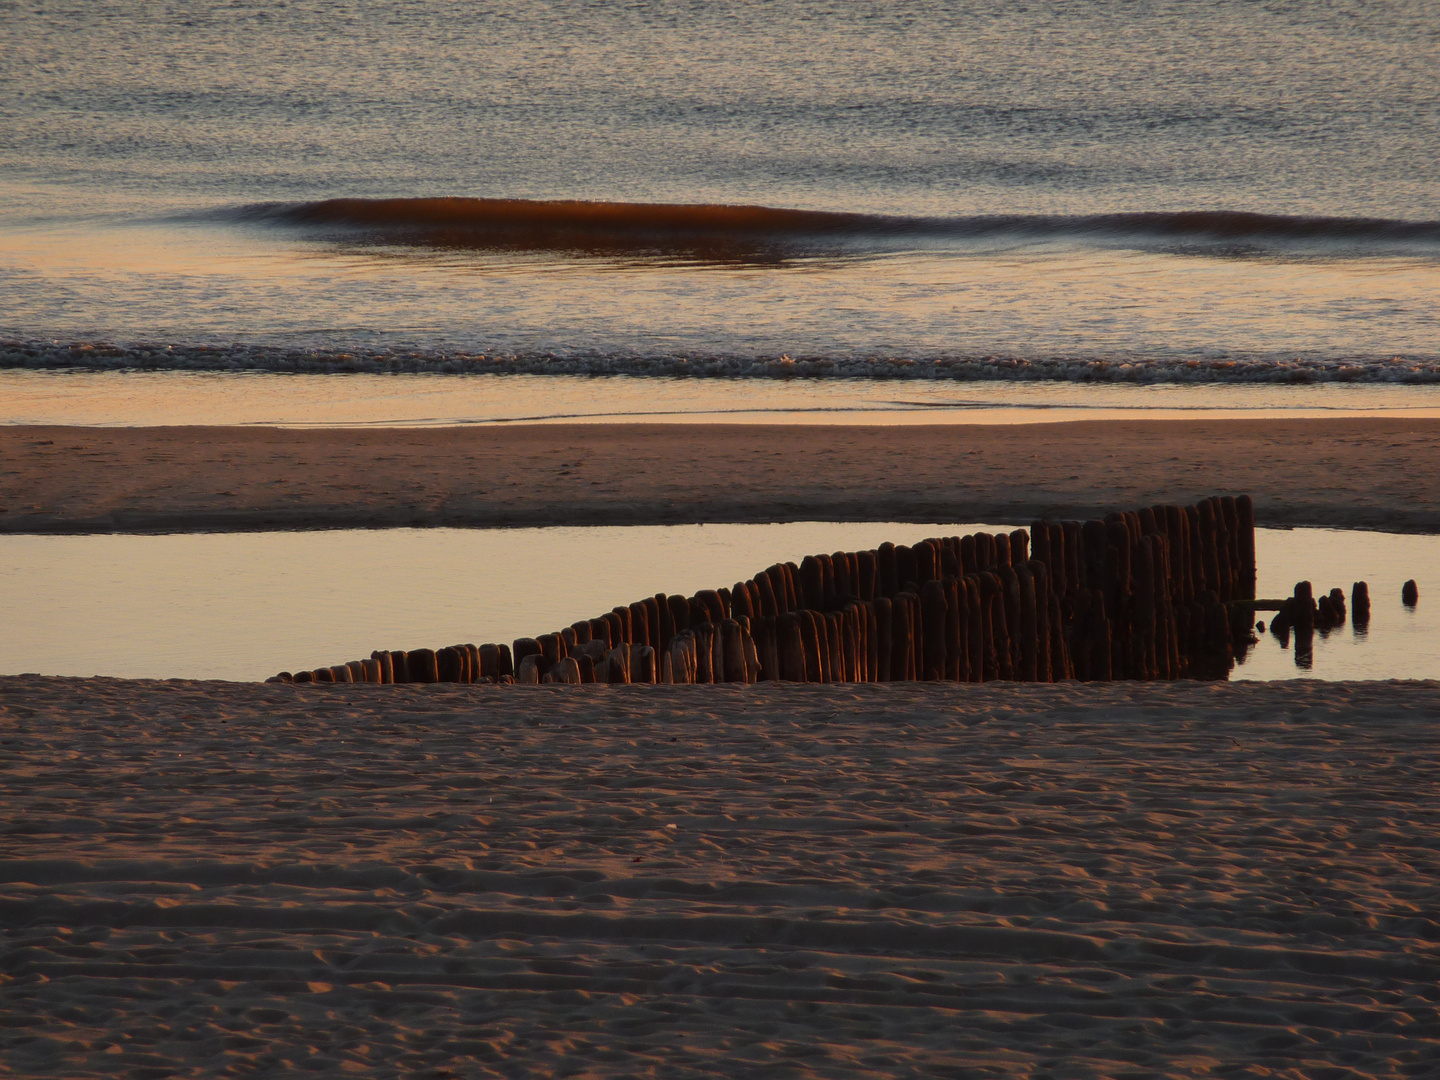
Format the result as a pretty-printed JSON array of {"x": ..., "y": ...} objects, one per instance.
[{"x": 1156, "y": 593}]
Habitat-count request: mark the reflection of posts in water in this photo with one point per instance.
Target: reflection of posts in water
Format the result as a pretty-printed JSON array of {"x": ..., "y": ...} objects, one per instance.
[
  {"x": 1304, "y": 647},
  {"x": 1280, "y": 628}
]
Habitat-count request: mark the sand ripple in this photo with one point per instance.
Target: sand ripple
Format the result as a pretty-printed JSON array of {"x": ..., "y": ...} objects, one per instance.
[{"x": 871, "y": 880}]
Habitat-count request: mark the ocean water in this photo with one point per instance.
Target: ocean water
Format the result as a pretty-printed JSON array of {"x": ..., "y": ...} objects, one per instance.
[{"x": 1080, "y": 193}]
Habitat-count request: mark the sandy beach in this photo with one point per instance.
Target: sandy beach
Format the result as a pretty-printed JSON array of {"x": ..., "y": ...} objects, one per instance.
[
  {"x": 1355, "y": 473},
  {"x": 1199, "y": 880}
]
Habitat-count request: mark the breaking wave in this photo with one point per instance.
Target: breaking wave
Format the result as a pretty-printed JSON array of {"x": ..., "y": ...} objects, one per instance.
[
  {"x": 104, "y": 356},
  {"x": 722, "y": 231}
]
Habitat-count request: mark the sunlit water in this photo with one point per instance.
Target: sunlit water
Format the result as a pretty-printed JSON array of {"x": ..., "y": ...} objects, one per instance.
[
  {"x": 244, "y": 606},
  {"x": 136, "y": 137}
]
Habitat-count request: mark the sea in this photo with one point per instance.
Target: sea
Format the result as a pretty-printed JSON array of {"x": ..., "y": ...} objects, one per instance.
[{"x": 428, "y": 212}]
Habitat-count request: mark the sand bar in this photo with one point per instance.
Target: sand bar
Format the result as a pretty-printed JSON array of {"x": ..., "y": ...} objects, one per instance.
[
  {"x": 1356, "y": 473},
  {"x": 715, "y": 881}
]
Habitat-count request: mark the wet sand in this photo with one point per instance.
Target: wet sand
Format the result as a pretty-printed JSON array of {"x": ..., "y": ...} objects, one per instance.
[
  {"x": 867, "y": 881},
  {"x": 1352, "y": 473}
]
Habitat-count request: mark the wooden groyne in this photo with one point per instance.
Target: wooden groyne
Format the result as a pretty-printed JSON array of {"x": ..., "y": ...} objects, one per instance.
[{"x": 1165, "y": 592}]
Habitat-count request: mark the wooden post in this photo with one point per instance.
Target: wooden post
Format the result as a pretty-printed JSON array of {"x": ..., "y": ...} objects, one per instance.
[
  {"x": 1095, "y": 547},
  {"x": 387, "y": 666},
  {"x": 902, "y": 639},
  {"x": 1304, "y": 605},
  {"x": 617, "y": 664},
  {"x": 1001, "y": 544},
  {"x": 767, "y": 647},
  {"x": 566, "y": 671},
  {"x": 956, "y": 662},
  {"x": 1029, "y": 650},
  {"x": 974, "y": 631},
  {"x": 522, "y": 648},
  {"x": 682, "y": 658},
  {"x": 884, "y": 637},
  {"x": 752, "y": 657},
  {"x": 822, "y": 643},
  {"x": 642, "y": 664},
  {"x": 827, "y": 582},
  {"x": 1142, "y": 613},
  {"x": 840, "y": 563},
  {"x": 834, "y": 636},
  {"x": 790, "y": 639},
  {"x": 529, "y": 673},
  {"x": 1040, "y": 578},
  {"x": 1010, "y": 591},
  {"x": 1040, "y": 541},
  {"x": 1061, "y": 666},
  {"x": 654, "y": 623},
  {"x": 932, "y": 605},
  {"x": 400, "y": 666},
  {"x": 716, "y": 608},
  {"x": 741, "y": 603},
  {"x": 990, "y": 590},
  {"x": 733, "y": 651},
  {"x": 926, "y": 562},
  {"x": 1245, "y": 517},
  {"x": 614, "y": 629},
  {"x": 447, "y": 665},
  {"x": 422, "y": 666},
  {"x": 1360, "y": 605},
  {"x": 1209, "y": 547},
  {"x": 1019, "y": 548},
  {"x": 968, "y": 563},
  {"x": 812, "y": 583},
  {"x": 1075, "y": 564},
  {"x": 872, "y": 643},
  {"x": 1000, "y": 631},
  {"x": 704, "y": 652},
  {"x": 639, "y": 623},
  {"x": 867, "y": 567},
  {"x": 1118, "y": 587},
  {"x": 917, "y": 635},
  {"x": 905, "y": 566},
  {"x": 810, "y": 641},
  {"x": 1230, "y": 518}
]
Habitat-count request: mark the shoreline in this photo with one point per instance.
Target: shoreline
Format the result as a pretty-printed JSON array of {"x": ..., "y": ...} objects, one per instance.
[{"x": 1359, "y": 473}]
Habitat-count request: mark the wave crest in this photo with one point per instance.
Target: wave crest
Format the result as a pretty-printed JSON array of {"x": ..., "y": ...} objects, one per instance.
[
  {"x": 740, "y": 232},
  {"x": 109, "y": 356}
]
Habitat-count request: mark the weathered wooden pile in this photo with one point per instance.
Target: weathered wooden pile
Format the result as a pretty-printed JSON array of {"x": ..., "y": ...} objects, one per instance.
[{"x": 1157, "y": 593}]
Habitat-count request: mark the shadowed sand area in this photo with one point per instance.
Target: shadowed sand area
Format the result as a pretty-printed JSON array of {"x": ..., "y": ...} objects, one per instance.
[
  {"x": 1357, "y": 472},
  {"x": 874, "y": 880}
]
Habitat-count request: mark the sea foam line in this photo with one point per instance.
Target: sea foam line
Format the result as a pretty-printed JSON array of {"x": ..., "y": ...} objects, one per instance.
[{"x": 110, "y": 356}]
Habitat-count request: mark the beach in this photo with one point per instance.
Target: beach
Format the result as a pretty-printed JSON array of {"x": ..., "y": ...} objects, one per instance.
[
  {"x": 1373, "y": 473},
  {"x": 226, "y": 879},
  {"x": 328, "y": 331}
]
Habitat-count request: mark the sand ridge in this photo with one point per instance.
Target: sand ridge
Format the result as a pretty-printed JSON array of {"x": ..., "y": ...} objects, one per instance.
[
  {"x": 1358, "y": 473},
  {"x": 868, "y": 880}
]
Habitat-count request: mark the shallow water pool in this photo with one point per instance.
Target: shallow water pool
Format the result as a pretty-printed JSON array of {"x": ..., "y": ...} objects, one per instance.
[{"x": 246, "y": 605}]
